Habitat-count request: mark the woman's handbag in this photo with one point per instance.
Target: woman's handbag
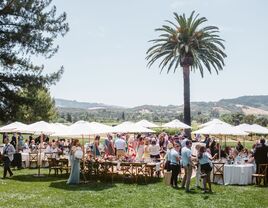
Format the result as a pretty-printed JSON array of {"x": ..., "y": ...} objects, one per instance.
[{"x": 167, "y": 166}]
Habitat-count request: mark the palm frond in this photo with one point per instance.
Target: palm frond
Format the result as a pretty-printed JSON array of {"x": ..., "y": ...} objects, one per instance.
[{"x": 187, "y": 38}]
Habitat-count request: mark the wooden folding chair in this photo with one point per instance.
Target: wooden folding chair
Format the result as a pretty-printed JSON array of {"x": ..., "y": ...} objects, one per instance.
[
  {"x": 46, "y": 157},
  {"x": 64, "y": 163},
  {"x": 33, "y": 159},
  {"x": 218, "y": 170},
  {"x": 261, "y": 174},
  {"x": 142, "y": 171},
  {"x": 127, "y": 171},
  {"x": 53, "y": 164}
]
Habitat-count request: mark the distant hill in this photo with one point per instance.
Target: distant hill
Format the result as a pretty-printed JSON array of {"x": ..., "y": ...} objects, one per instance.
[
  {"x": 63, "y": 103},
  {"x": 256, "y": 105}
]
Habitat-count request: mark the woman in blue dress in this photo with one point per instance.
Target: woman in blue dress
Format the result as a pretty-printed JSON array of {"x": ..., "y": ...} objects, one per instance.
[{"x": 74, "y": 177}]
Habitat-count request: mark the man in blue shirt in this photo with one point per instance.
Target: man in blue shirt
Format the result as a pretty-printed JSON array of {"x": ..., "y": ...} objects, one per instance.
[{"x": 186, "y": 155}]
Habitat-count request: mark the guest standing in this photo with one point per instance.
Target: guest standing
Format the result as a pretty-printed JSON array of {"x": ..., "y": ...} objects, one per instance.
[
  {"x": 120, "y": 146},
  {"x": 146, "y": 153},
  {"x": 204, "y": 159},
  {"x": 5, "y": 135},
  {"x": 175, "y": 165},
  {"x": 95, "y": 147},
  {"x": 74, "y": 177},
  {"x": 131, "y": 150},
  {"x": 108, "y": 145},
  {"x": 154, "y": 150},
  {"x": 140, "y": 149},
  {"x": 198, "y": 168},
  {"x": 261, "y": 155},
  {"x": 207, "y": 140},
  {"x": 14, "y": 140},
  {"x": 239, "y": 147},
  {"x": 186, "y": 155},
  {"x": 20, "y": 142},
  {"x": 8, "y": 153}
]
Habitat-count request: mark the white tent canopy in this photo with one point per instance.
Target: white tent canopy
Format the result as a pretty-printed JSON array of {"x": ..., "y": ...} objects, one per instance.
[
  {"x": 81, "y": 128},
  {"x": 221, "y": 129},
  {"x": 58, "y": 127},
  {"x": 213, "y": 121},
  {"x": 130, "y": 127},
  {"x": 38, "y": 128},
  {"x": 259, "y": 129},
  {"x": 176, "y": 124},
  {"x": 146, "y": 124},
  {"x": 12, "y": 127},
  {"x": 245, "y": 127},
  {"x": 254, "y": 129},
  {"x": 100, "y": 128}
]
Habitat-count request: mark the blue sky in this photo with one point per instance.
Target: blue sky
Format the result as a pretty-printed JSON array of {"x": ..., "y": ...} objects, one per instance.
[{"x": 104, "y": 52}]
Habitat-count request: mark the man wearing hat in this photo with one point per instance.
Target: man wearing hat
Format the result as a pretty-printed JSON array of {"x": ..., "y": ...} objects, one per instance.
[{"x": 8, "y": 152}]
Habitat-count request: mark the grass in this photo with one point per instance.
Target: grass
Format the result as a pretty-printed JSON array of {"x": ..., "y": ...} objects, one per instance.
[{"x": 23, "y": 190}]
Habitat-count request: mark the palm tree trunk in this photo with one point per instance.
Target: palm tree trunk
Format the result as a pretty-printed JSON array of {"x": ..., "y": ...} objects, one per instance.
[{"x": 186, "y": 94}]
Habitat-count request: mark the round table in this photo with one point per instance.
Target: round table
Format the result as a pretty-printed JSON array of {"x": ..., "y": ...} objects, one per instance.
[{"x": 238, "y": 174}]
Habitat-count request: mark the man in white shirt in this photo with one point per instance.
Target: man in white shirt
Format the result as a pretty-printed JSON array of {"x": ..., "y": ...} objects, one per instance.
[
  {"x": 186, "y": 155},
  {"x": 8, "y": 153},
  {"x": 120, "y": 146}
]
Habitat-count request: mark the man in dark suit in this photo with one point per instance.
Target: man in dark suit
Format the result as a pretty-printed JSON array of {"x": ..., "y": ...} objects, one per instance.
[{"x": 261, "y": 154}]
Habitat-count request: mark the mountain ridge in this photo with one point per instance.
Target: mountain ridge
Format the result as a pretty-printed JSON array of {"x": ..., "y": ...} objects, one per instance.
[
  {"x": 247, "y": 105},
  {"x": 253, "y": 101}
]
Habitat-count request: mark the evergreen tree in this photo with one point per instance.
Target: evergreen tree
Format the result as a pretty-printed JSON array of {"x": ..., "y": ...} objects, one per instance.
[
  {"x": 69, "y": 118},
  {"x": 27, "y": 28},
  {"x": 39, "y": 106}
]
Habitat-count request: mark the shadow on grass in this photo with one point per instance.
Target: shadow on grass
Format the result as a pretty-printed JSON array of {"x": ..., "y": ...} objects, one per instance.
[
  {"x": 89, "y": 186},
  {"x": 97, "y": 184},
  {"x": 33, "y": 178}
]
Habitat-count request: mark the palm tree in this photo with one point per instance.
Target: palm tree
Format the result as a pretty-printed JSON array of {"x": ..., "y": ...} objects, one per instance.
[{"x": 188, "y": 45}]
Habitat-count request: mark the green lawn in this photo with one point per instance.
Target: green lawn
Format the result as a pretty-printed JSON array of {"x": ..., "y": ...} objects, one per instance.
[{"x": 23, "y": 190}]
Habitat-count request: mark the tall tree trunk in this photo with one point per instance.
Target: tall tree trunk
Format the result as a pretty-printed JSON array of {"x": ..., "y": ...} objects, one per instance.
[{"x": 186, "y": 94}]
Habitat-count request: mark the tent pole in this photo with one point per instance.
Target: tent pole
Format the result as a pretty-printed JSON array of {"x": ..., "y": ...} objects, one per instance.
[
  {"x": 84, "y": 162},
  {"x": 39, "y": 159},
  {"x": 219, "y": 150},
  {"x": 83, "y": 148}
]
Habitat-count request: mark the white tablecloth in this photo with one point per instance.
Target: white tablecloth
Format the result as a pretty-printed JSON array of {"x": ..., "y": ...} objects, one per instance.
[
  {"x": 25, "y": 157},
  {"x": 238, "y": 174}
]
